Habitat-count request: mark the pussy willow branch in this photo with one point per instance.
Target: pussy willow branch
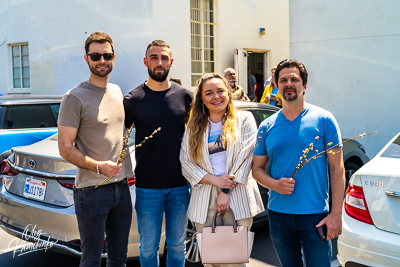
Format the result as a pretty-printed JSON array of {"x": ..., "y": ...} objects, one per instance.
[
  {"x": 327, "y": 150},
  {"x": 123, "y": 155},
  {"x": 252, "y": 150},
  {"x": 145, "y": 139}
]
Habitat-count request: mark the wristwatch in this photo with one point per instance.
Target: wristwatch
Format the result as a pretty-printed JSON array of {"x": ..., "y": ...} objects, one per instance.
[{"x": 225, "y": 190}]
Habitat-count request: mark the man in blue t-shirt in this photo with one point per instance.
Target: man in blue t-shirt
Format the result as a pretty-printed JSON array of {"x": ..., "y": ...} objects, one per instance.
[{"x": 298, "y": 205}]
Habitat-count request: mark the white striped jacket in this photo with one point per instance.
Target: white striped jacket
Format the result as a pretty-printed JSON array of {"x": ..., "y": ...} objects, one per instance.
[{"x": 245, "y": 199}]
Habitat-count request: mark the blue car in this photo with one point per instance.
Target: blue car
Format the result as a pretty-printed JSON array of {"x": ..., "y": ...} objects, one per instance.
[{"x": 26, "y": 119}]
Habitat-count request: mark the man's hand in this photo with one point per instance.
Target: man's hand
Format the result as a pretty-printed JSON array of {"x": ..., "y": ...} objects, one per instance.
[
  {"x": 226, "y": 181},
  {"x": 223, "y": 202},
  {"x": 109, "y": 168},
  {"x": 284, "y": 186},
  {"x": 334, "y": 225}
]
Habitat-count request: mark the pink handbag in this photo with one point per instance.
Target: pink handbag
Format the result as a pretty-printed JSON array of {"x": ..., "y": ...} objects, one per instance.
[{"x": 225, "y": 244}]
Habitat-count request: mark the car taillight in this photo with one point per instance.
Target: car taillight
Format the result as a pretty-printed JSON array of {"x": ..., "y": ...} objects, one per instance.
[
  {"x": 6, "y": 170},
  {"x": 67, "y": 183},
  {"x": 355, "y": 205},
  {"x": 131, "y": 180}
]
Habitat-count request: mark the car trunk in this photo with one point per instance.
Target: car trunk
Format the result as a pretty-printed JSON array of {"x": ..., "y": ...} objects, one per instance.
[
  {"x": 43, "y": 175},
  {"x": 381, "y": 185}
]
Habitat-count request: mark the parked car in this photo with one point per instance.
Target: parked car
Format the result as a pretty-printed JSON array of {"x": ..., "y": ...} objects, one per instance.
[
  {"x": 41, "y": 162},
  {"x": 371, "y": 212},
  {"x": 26, "y": 119}
]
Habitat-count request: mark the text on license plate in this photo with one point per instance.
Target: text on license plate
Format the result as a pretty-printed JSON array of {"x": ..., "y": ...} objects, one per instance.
[{"x": 34, "y": 188}]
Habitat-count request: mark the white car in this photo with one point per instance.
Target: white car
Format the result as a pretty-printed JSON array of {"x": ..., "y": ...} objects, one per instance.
[{"x": 371, "y": 212}]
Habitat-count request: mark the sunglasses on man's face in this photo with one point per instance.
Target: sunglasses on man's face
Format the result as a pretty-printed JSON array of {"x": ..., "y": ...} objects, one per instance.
[{"x": 97, "y": 56}]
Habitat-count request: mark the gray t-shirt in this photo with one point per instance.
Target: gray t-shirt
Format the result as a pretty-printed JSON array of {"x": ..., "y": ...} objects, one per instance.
[{"x": 98, "y": 114}]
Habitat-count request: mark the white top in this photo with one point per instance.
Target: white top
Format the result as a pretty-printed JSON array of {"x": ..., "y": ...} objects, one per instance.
[{"x": 216, "y": 150}]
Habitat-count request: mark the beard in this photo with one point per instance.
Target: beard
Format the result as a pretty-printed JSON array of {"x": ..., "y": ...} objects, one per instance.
[
  {"x": 291, "y": 97},
  {"x": 158, "y": 76},
  {"x": 101, "y": 73}
]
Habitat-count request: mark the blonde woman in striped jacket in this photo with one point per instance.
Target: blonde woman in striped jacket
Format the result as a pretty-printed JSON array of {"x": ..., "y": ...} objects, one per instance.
[{"x": 217, "y": 140}]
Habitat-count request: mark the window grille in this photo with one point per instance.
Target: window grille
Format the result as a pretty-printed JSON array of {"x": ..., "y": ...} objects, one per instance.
[
  {"x": 20, "y": 66},
  {"x": 202, "y": 31}
]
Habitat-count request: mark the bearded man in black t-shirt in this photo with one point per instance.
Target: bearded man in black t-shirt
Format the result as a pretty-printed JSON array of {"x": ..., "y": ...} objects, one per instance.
[{"x": 160, "y": 186}]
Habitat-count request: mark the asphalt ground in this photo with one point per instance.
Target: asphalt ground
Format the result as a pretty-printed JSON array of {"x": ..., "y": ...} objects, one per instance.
[{"x": 263, "y": 254}]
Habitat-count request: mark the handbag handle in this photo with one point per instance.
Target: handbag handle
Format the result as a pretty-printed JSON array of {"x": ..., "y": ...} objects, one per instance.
[{"x": 214, "y": 222}]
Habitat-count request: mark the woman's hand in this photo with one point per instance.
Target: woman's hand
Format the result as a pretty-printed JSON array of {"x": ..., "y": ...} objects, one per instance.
[
  {"x": 223, "y": 202},
  {"x": 226, "y": 181}
]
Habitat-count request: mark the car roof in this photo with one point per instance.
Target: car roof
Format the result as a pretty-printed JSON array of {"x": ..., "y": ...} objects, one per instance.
[
  {"x": 29, "y": 99},
  {"x": 255, "y": 105}
]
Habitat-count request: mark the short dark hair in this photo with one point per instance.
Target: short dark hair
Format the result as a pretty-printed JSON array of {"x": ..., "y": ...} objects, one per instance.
[
  {"x": 176, "y": 79},
  {"x": 98, "y": 37},
  {"x": 292, "y": 63},
  {"x": 157, "y": 43}
]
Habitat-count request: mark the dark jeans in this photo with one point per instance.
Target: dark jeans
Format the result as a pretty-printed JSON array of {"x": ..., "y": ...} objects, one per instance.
[
  {"x": 106, "y": 209},
  {"x": 291, "y": 233}
]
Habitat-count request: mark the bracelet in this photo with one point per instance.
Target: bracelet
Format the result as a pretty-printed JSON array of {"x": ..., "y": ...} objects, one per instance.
[
  {"x": 225, "y": 190},
  {"x": 97, "y": 167}
]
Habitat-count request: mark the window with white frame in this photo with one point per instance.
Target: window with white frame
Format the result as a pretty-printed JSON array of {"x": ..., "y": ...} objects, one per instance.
[
  {"x": 202, "y": 30},
  {"x": 20, "y": 66}
]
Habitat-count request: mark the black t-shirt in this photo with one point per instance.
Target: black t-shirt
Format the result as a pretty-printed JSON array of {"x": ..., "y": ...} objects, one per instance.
[{"x": 157, "y": 160}]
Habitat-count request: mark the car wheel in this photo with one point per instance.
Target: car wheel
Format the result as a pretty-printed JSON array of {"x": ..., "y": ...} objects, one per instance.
[
  {"x": 350, "y": 168},
  {"x": 192, "y": 251}
]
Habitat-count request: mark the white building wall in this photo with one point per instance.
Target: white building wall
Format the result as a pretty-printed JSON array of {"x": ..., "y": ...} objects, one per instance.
[
  {"x": 56, "y": 31},
  {"x": 351, "y": 51},
  {"x": 238, "y": 25}
]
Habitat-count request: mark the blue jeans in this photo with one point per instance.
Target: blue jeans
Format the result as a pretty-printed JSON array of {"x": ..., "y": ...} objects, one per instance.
[
  {"x": 106, "y": 209},
  {"x": 291, "y": 233},
  {"x": 151, "y": 204}
]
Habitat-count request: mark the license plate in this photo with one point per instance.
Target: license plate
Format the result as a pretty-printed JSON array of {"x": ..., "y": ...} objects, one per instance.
[{"x": 34, "y": 188}]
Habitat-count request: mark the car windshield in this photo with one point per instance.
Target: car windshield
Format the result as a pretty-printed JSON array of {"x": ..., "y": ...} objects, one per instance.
[
  {"x": 2, "y": 111},
  {"x": 393, "y": 150}
]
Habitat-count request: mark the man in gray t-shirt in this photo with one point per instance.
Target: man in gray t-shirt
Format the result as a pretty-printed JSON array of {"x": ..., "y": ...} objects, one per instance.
[{"x": 90, "y": 135}]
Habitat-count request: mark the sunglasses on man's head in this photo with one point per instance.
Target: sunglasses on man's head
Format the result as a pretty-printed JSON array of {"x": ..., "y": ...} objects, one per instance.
[{"x": 97, "y": 56}]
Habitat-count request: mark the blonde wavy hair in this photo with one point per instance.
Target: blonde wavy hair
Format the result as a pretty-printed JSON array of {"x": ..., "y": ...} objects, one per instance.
[{"x": 198, "y": 119}]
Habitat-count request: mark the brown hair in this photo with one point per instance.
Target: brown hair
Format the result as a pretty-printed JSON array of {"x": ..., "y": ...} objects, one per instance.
[
  {"x": 176, "y": 79},
  {"x": 292, "y": 63},
  {"x": 198, "y": 119},
  {"x": 157, "y": 43},
  {"x": 98, "y": 37}
]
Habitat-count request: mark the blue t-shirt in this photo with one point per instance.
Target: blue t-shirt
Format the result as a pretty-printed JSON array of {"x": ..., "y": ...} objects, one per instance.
[{"x": 283, "y": 141}]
